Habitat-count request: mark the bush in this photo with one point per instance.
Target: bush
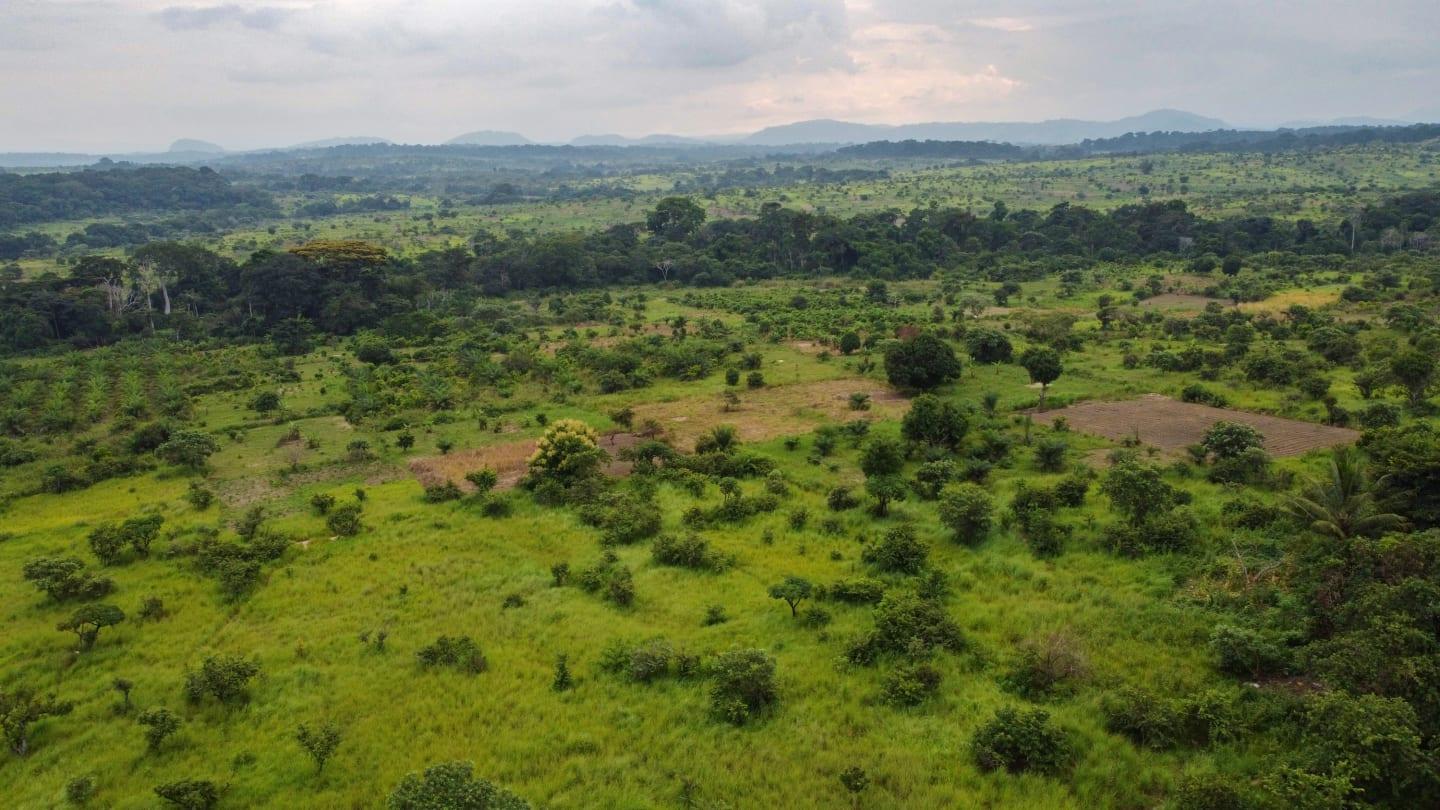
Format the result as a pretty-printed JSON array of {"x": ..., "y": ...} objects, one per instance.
[
  {"x": 444, "y": 491},
  {"x": 1210, "y": 792},
  {"x": 897, "y": 551},
  {"x": 1020, "y": 741},
  {"x": 1250, "y": 653},
  {"x": 1046, "y": 667},
  {"x": 1166, "y": 532},
  {"x": 911, "y": 684},
  {"x": 862, "y": 591},
  {"x": 906, "y": 623},
  {"x": 190, "y": 794},
  {"x": 64, "y": 579},
  {"x": 345, "y": 521},
  {"x": 451, "y": 786},
  {"x": 691, "y": 551},
  {"x": 744, "y": 685},
  {"x": 458, "y": 652},
  {"x": 839, "y": 499},
  {"x": 223, "y": 677},
  {"x": 968, "y": 511}
]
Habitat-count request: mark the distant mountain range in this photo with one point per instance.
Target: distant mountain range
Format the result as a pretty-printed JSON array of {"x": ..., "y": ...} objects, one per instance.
[
  {"x": 1056, "y": 131},
  {"x": 490, "y": 137},
  {"x": 806, "y": 135}
]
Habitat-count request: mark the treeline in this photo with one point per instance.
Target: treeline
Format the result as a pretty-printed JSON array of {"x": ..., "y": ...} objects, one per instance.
[
  {"x": 32, "y": 198},
  {"x": 341, "y": 287},
  {"x": 1231, "y": 140},
  {"x": 973, "y": 150}
]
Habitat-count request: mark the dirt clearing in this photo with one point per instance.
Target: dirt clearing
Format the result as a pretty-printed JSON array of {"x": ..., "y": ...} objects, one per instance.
[
  {"x": 1172, "y": 425},
  {"x": 761, "y": 414}
]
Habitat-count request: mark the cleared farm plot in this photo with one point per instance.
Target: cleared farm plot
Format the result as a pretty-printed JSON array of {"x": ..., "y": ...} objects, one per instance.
[
  {"x": 1172, "y": 425},
  {"x": 760, "y": 414}
]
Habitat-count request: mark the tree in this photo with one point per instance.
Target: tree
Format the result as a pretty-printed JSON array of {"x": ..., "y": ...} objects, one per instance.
[
  {"x": 884, "y": 489},
  {"x": 222, "y": 677},
  {"x": 988, "y": 346},
  {"x": 744, "y": 685},
  {"x": 1231, "y": 266},
  {"x": 899, "y": 551},
  {"x": 65, "y": 578},
  {"x": 921, "y": 362},
  {"x": 484, "y": 479},
  {"x": 855, "y": 781},
  {"x": 1416, "y": 372},
  {"x": 568, "y": 452},
  {"x": 1342, "y": 505},
  {"x": 1138, "y": 491},
  {"x": 19, "y": 709},
  {"x": 160, "y": 723},
  {"x": 882, "y": 456},
  {"x": 87, "y": 622},
  {"x": 793, "y": 590},
  {"x": 675, "y": 218},
  {"x": 1227, "y": 440},
  {"x": 968, "y": 511},
  {"x": 1044, "y": 366},
  {"x": 931, "y": 420},
  {"x": 849, "y": 343},
  {"x": 188, "y": 448},
  {"x": 319, "y": 742},
  {"x": 1020, "y": 741},
  {"x": 451, "y": 786}
]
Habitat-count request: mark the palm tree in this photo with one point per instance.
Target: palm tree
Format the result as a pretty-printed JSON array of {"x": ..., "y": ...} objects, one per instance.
[{"x": 1344, "y": 505}]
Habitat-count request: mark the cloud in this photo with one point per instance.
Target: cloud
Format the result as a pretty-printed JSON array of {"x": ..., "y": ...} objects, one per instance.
[
  {"x": 196, "y": 18},
  {"x": 274, "y": 71}
]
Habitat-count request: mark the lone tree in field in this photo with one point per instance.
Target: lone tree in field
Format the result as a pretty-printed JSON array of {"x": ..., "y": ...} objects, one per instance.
[
  {"x": 451, "y": 785},
  {"x": 87, "y": 622},
  {"x": 1138, "y": 491},
  {"x": 921, "y": 362},
  {"x": 1044, "y": 367},
  {"x": 568, "y": 452},
  {"x": 188, "y": 448},
  {"x": 881, "y": 461},
  {"x": 319, "y": 742},
  {"x": 744, "y": 685},
  {"x": 793, "y": 590},
  {"x": 159, "y": 724}
]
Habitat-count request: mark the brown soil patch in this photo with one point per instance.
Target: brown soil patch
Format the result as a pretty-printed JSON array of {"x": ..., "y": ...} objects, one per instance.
[
  {"x": 1172, "y": 425},
  {"x": 774, "y": 411},
  {"x": 762, "y": 414},
  {"x": 508, "y": 460}
]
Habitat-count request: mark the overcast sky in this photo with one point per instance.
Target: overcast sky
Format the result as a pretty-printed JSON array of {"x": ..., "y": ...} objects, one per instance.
[{"x": 137, "y": 74}]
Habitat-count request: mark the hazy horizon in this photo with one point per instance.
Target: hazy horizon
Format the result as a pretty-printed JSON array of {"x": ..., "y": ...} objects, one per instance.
[{"x": 135, "y": 75}]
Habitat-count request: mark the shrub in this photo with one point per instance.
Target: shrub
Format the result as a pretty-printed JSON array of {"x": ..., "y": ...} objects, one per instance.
[
  {"x": 224, "y": 677},
  {"x": 907, "y": 623},
  {"x": 64, "y": 579},
  {"x": 443, "y": 491},
  {"x": 451, "y": 785},
  {"x": 922, "y": 362},
  {"x": 1171, "y": 531},
  {"x": 190, "y": 794},
  {"x": 968, "y": 511},
  {"x": 1046, "y": 666},
  {"x": 159, "y": 724},
  {"x": 345, "y": 521},
  {"x": 744, "y": 685},
  {"x": 322, "y": 503},
  {"x": 839, "y": 499},
  {"x": 1020, "y": 741},
  {"x": 898, "y": 551},
  {"x": 1050, "y": 455},
  {"x": 1210, "y": 792},
  {"x": 691, "y": 551},
  {"x": 457, "y": 652},
  {"x": 911, "y": 684},
  {"x": 1249, "y": 652},
  {"x": 861, "y": 591}
]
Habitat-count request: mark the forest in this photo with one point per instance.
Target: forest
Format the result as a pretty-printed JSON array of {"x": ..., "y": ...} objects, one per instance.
[{"x": 920, "y": 474}]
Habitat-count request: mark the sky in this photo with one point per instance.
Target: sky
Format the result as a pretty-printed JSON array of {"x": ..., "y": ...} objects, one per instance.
[{"x": 117, "y": 75}]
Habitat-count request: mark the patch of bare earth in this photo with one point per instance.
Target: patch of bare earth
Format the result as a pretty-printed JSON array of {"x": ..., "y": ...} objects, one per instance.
[
  {"x": 761, "y": 414},
  {"x": 1181, "y": 301},
  {"x": 1172, "y": 425}
]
